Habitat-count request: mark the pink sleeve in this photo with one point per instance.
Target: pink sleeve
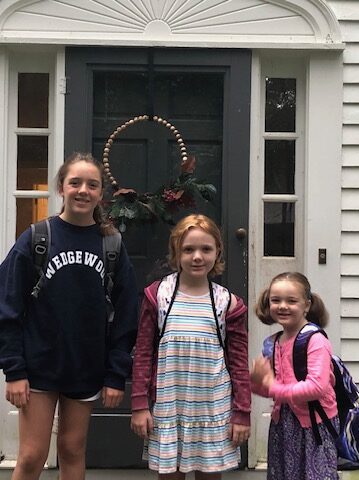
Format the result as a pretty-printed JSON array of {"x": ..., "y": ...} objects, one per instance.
[{"x": 318, "y": 378}]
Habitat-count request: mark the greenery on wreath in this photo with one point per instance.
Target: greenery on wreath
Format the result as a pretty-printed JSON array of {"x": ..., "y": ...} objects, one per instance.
[{"x": 128, "y": 206}]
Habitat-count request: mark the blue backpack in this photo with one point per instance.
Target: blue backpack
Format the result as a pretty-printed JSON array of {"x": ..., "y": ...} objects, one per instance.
[{"x": 346, "y": 391}]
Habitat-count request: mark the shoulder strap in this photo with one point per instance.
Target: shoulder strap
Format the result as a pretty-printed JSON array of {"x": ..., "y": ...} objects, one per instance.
[
  {"x": 300, "y": 367},
  {"x": 111, "y": 247},
  {"x": 40, "y": 241},
  {"x": 166, "y": 294},
  {"x": 300, "y": 349},
  {"x": 220, "y": 300},
  {"x": 268, "y": 348}
]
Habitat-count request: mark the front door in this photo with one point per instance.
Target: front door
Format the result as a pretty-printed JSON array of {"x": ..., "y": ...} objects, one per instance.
[{"x": 205, "y": 94}]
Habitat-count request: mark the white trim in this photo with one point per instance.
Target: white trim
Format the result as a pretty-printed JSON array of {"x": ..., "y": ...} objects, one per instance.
[{"x": 204, "y": 24}]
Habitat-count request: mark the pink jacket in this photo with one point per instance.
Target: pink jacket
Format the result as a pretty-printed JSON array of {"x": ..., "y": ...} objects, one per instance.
[
  {"x": 318, "y": 384},
  {"x": 144, "y": 372}
]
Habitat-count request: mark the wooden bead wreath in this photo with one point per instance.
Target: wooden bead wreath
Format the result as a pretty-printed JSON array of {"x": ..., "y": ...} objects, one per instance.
[{"x": 129, "y": 206}]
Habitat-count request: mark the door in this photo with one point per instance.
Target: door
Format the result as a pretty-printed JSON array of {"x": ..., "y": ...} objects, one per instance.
[{"x": 205, "y": 94}]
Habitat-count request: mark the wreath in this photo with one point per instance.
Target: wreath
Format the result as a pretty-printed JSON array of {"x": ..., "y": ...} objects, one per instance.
[{"x": 129, "y": 206}]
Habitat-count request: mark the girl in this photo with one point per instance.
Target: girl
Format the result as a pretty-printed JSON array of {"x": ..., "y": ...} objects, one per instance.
[
  {"x": 293, "y": 451},
  {"x": 191, "y": 361},
  {"x": 57, "y": 347}
]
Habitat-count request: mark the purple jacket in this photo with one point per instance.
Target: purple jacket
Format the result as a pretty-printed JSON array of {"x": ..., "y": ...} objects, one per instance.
[{"x": 144, "y": 374}]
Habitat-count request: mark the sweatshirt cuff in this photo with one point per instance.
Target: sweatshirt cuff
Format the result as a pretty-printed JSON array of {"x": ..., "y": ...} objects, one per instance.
[
  {"x": 139, "y": 403},
  {"x": 14, "y": 376},
  {"x": 241, "y": 418},
  {"x": 114, "y": 381}
]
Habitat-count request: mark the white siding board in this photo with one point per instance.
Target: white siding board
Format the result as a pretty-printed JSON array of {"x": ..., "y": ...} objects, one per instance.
[
  {"x": 350, "y": 308},
  {"x": 351, "y": 133},
  {"x": 351, "y": 113},
  {"x": 350, "y": 242},
  {"x": 350, "y": 265},
  {"x": 350, "y": 287},
  {"x": 351, "y": 53},
  {"x": 350, "y": 221},
  {"x": 350, "y": 328},
  {"x": 350, "y": 199},
  {"x": 350, "y": 31},
  {"x": 351, "y": 93},
  {"x": 350, "y": 177},
  {"x": 351, "y": 72},
  {"x": 350, "y": 155},
  {"x": 345, "y": 9},
  {"x": 350, "y": 350}
]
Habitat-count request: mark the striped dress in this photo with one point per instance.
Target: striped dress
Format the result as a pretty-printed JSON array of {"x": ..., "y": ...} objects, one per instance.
[{"x": 193, "y": 401}]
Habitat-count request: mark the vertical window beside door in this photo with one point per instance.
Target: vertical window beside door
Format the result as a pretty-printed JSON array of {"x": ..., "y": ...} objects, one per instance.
[
  {"x": 280, "y": 162},
  {"x": 32, "y": 148}
]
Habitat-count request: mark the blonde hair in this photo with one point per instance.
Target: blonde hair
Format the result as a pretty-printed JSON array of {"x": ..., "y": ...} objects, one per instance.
[
  {"x": 99, "y": 216},
  {"x": 181, "y": 229},
  {"x": 317, "y": 313}
]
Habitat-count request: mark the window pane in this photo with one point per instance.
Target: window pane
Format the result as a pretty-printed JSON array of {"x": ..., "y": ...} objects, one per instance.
[
  {"x": 29, "y": 210},
  {"x": 33, "y": 100},
  {"x": 31, "y": 162},
  {"x": 279, "y": 229},
  {"x": 280, "y": 105},
  {"x": 279, "y": 166}
]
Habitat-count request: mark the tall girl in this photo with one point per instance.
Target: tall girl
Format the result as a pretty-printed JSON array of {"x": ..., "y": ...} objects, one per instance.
[
  {"x": 190, "y": 384},
  {"x": 293, "y": 452},
  {"x": 57, "y": 347}
]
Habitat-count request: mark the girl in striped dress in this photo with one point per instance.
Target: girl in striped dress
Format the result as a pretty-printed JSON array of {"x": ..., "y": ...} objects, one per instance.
[{"x": 190, "y": 385}]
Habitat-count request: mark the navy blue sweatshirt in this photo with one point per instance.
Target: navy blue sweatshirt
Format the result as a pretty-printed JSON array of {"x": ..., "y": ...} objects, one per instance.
[{"x": 59, "y": 341}]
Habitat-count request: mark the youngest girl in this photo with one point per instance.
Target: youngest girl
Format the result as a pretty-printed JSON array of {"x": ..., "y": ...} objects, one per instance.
[
  {"x": 293, "y": 451},
  {"x": 190, "y": 386}
]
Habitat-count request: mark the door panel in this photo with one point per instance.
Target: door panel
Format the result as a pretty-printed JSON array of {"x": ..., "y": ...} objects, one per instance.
[{"x": 205, "y": 95}]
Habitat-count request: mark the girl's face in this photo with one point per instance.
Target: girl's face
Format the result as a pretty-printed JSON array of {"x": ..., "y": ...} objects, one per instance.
[
  {"x": 288, "y": 305},
  {"x": 198, "y": 253},
  {"x": 81, "y": 192}
]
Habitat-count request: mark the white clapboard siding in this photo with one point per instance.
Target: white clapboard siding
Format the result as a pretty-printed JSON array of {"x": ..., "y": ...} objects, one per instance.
[
  {"x": 349, "y": 264},
  {"x": 351, "y": 72},
  {"x": 351, "y": 52},
  {"x": 351, "y": 93},
  {"x": 350, "y": 287},
  {"x": 350, "y": 328},
  {"x": 349, "y": 242},
  {"x": 350, "y": 155},
  {"x": 350, "y": 222},
  {"x": 350, "y": 177},
  {"x": 350, "y": 199},
  {"x": 350, "y": 308},
  {"x": 345, "y": 9},
  {"x": 351, "y": 113}
]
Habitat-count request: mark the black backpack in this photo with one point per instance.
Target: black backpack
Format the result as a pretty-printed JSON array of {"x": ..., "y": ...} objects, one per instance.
[{"x": 40, "y": 241}]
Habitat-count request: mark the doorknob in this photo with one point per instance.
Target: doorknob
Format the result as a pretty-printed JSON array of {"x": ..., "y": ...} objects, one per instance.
[{"x": 241, "y": 233}]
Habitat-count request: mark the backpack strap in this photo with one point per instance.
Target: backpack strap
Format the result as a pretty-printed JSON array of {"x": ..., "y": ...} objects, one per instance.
[
  {"x": 40, "y": 241},
  {"x": 166, "y": 294},
  {"x": 300, "y": 367},
  {"x": 268, "y": 348},
  {"x": 111, "y": 247},
  {"x": 221, "y": 301}
]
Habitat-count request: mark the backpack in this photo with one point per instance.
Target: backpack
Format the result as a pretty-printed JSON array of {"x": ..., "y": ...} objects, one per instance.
[
  {"x": 40, "y": 241},
  {"x": 220, "y": 300},
  {"x": 346, "y": 392}
]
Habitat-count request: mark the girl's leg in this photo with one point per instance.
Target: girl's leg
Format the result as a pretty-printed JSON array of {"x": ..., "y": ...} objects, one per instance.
[
  {"x": 74, "y": 417},
  {"x": 172, "y": 476},
  {"x": 207, "y": 476},
  {"x": 35, "y": 425}
]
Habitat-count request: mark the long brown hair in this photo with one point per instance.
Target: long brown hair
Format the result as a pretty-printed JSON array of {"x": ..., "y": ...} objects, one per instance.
[
  {"x": 317, "y": 313},
  {"x": 99, "y": 216}
]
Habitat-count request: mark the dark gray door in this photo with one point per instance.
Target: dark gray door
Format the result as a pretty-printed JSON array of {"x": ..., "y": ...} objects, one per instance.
[{"x": 205, "y": 94}]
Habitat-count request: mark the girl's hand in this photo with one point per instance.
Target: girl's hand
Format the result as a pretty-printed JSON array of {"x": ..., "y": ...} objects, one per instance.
[
  {"x": 238, "y": 433},
  {"x": 142, "y": 423},
  {"x": 262, "y": 373},
  {"x": 112, "y": 397},
  {"x": 18, "y": 392}
]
